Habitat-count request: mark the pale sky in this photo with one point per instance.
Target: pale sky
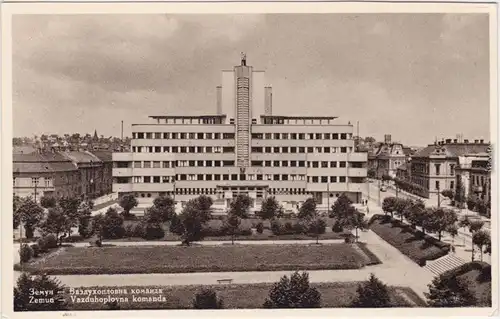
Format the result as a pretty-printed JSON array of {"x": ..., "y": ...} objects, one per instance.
[{"x": 415, "y": 76}]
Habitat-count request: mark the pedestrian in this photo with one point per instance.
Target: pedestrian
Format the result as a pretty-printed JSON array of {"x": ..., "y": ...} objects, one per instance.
[{"x": 367, "y": 210}]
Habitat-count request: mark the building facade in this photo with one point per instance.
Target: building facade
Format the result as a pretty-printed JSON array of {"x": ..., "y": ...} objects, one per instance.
[
  {"x": 36, "y": 175},
  {"x": 474, "y": 175},
  {"x": 434, "y": 167},
  {"x": 243, "y": 149},
  {"x": 387, "y": 157}
]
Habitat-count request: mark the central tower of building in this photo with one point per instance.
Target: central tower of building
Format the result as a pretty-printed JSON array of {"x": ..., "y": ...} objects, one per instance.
[{"x": 243, "y": 98}]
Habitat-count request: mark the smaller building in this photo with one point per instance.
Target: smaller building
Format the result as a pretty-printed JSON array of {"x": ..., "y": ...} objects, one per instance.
[
  {"x": 91, "y": 170},
  {"x": 36, "y": 175},
  {"x": 387, "y": 157},
  {"x": 106, "y": 158},
  {"x": 434, "y": 167},
  {"x": 472, "y": 172}
]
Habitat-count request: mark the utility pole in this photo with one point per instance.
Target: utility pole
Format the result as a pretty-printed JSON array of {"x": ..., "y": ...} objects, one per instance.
[
  {"x": 379, "y": 192},
  {"x": 439, "y": 196},
  {"x": 328, "y": 199}
]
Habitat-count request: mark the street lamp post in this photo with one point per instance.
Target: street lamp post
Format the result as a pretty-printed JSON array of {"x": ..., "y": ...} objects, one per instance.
[
  {"x": 328, "y": 199},
  {"x": 439, "y": 195}
]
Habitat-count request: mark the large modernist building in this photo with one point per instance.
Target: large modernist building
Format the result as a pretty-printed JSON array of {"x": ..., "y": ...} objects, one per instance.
[{"x": 242, "y": 149}]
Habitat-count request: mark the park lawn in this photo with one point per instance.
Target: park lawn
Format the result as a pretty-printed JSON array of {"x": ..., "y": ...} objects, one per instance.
[
  {"x": 244, "y": 296},
  {"x": 178, "y": 259},
  {"x": 415, "y": 248}
]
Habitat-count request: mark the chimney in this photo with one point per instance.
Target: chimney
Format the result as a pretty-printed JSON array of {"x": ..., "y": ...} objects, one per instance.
[
  {"x": 466, "y": 141},
  {"x": 268, "y": 104},
  {"x": 219, "y": 101},
  {"x": 455, "y": 141},
  {"x": 481, "y": 141},
  {"x": 476, "y": 141},
  {"x": 387, "y": 138}
]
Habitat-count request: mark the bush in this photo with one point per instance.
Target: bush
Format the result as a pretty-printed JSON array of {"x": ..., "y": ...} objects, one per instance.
[
  {"x": 337, "y": 227},
  {"x": 129, "y": 231},
  {"x": 244, "y": 232},
  {"x": 259, "y": 228},
  {"x": 98, "y": 243},
  {"x": 51, "y": 241},
  {"x": 42, "y": 245},
  {"x": 139, "y": 230},
  {"x": 276, "y": 227},
  {"x": 153, "y": 231},
  {"x": 36, "y": 250},
  {"x": 207, "y": 299},
  {"x": 349, "y": 239},
  {"x": 25, "y": 253},
  {"x": 289, "y": 229},
  {"x": 73, "y": 239}
]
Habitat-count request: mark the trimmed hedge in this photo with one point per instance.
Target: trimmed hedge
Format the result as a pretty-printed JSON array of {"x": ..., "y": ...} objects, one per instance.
[
  {"x": 374, "y": 260},
  {"x": 413, "y": 243}
]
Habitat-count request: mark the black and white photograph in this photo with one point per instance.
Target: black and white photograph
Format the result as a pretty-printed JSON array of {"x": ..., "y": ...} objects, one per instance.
[{"x": 175, "y": 160}]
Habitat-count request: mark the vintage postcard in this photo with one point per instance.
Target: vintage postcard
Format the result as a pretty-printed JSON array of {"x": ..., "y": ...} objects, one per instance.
[{"x": 337, "y": 159}]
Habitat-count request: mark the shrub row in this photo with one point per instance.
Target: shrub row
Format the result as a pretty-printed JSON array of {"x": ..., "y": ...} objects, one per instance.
[
  {"x": 415, "y": 253},
  {"x": 374, "y": 260},
  {"x": 225, "y": 231},
  {"x": 75, "y": 270},
  {"x": 43, "y": 245},
  {"x": 483, "y": 267}
]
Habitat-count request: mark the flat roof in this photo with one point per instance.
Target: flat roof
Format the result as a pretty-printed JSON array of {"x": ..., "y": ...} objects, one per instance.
[
  {"x": 164, "y": 117},
  {"x": 283, "y": 117}
]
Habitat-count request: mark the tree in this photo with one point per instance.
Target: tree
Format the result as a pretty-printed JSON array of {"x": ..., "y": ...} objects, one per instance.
[
  {"x": 232, "y": 224},
  {"x": 459, "y": 193},
  {"x": 358, "y": 221},
  {"x": 416, "y": 213},
  {"x": 176, "y": 225},
  {"x": 317, "y": 227},
  {"x": 400, "y": 206},
  {"x": 439, "y": 219},
  {"x": 127, "y": 202},
  {"x": 153, "y": 215},
  {"x": 481, "y": 239},
  {"x": 270, "y": 208},
  {"x": 464, "y": 222},
  {"x": 372, "y": 294},
  {"x": 166, "y": 207},
  {"x": 30, "y": 214},
  {"x": 450, "y": 291},
  {"x": 207, "y": 299},
  {"x": 16, "y": 203},
  {"x": 194, "y": 215},
  {"x": 84, "y": 217},
  {"x": 386, "y": 178},
  {"x": 372, "y": 173},
  {"x": 293, "y": 292},
  {"x": 341, "y": 206},
  {"x": 48, "y": 202},
  {"x": 448, "y": 193},
  {"x": 389, "y": 205},
  {"x": 475, "y": 225},
  {"x": 112, "y": 227},
  {"x": 308, "y": 209},
  {"x": 453, "y": 231},
  {"x": 240, "y": 205},
  {"x": 56, "y": 223},
  {"x": 98, "y": 225},
  {"x": 23, "y": 293}
]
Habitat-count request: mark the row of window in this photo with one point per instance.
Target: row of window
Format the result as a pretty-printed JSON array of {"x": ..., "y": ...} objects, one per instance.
[
  {"x": 182, "y": 149},
  {"x": 183, "y": 136},
  {"x": 215, "y": 191},
  {"x": 230, "y": 149},
  {"x": 173, "y": 164},
  {"x": 239, "y": 177},
  {"x": 224, "y": 136}
]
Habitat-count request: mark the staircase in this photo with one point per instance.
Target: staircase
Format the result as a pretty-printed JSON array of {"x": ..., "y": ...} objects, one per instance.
[
  {"x": 444, "y": 264},
  {"x": 243, "y": 122}
]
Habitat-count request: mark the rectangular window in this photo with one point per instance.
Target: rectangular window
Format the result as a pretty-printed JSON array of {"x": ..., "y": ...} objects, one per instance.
[
  {"x": 157, "y": 165},
  {"x": 333, "y": 179},
  {"x": 217, "y": 177},
  {"x": 327, "y": 136},
  {"x": 147, "y": 179},
  {"x": 324, "y": 179},
  {"x": 225, "y": 177},
  {"x": 343, "y": 150},
  {"x": 342, "y": 179},
  {"x": 166, "y": 164},
  {"x": 234, "y": 177},
  {"x": 137, "y": 165},
  {"x": 157, "y": 135},
  {"x": 438, "y": 168},
  {"x": 324, "y": 164},
  {"x": 315, "y": 179},
  {"x": 48, "y": 181},
  {"x": 149, "y": 135},
  {"x": 333, "y": 164},
  {"x": 156, "y": 179},
  {"x": 147, "y": 165},
  {"x": 276, "y": 164},
  {"x": 437, "y": 185},
  {"x": 137, "y": 179},
  {"x": 342, "y": 164}
]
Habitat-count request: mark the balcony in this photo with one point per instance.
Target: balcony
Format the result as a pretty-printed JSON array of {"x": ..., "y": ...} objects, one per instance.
[
  {"x": 153, "y": 187},
  {"x": 122, "y": 188},
  {"x": 122, "y": 172},
  {"x": 357, "y": 172}
]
